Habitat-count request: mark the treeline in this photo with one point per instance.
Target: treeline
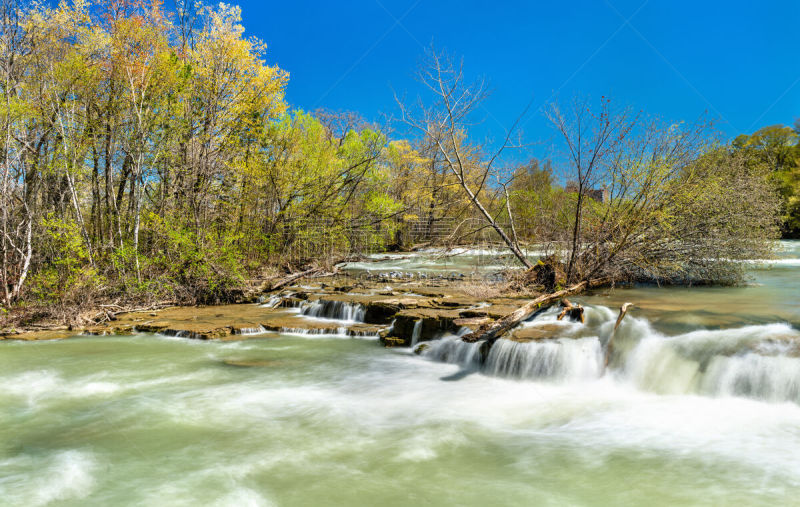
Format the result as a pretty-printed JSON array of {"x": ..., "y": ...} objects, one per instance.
[
  {"x": 150, "y": 155},
  {"x": 777, "y": 148}
]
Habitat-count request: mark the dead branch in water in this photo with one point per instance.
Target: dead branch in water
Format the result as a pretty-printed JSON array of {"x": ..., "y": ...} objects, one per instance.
[{"x": 610, "y": 345}]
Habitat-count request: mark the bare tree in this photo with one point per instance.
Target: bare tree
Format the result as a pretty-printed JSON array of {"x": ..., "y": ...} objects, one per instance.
[
  {"x": 671, "y": 207},
  {"x": 444, "y": 123},
  {"x": 593, "y": 142}
]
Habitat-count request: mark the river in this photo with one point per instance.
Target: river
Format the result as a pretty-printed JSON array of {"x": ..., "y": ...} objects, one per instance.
[{"x": 700, "y": 406}]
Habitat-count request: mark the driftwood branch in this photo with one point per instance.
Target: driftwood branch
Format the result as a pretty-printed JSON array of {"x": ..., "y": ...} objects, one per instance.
[
  {"x": 574, "y": 312},
  {"x": 610, "y": 345},
  {"x": 497, "y": 329}
]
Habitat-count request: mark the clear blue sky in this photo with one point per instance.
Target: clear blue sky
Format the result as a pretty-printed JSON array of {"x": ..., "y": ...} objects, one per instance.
[{"x": 738, "y": 60}]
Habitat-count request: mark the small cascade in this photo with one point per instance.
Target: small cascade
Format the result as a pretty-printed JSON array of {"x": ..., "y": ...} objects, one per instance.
[
  {"x": 272, "y": 302},
  {"x": 336, "y": 310},
  {"x": 771, "y": 378},
  {"x": 286, "y": 300},
  {"x": 340, "y": 332},
  {"x": 416, "y": 332},
  {"x": 566, "y": 359},
  {"x": 562, "y": 358},
  {"x": 247, "y": 331}
]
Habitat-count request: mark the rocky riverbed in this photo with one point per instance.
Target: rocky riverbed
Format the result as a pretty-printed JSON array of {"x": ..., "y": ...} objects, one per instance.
[{"x": 402, "y": 313}]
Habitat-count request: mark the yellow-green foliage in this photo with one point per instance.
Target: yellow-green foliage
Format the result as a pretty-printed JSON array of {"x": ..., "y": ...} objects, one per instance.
[{"x": 67, "y": 274}]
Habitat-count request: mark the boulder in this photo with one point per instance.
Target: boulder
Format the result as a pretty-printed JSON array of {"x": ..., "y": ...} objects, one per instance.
[{"x": 381, "y": 312}]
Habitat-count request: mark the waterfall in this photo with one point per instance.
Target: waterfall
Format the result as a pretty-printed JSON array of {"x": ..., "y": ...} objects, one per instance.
[
  {"x": 278, "y": 300},
  {"x": 246, "y": 331},
  {"x": 340, "y": 332},
  {"x": 566, "y": 359},
  {"x": 751, "y": 361},
  {"x": 337, "y": 310}
]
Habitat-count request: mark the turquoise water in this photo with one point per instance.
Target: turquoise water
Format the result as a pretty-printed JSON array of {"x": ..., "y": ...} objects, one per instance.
[{"x": 701, "y": 406}]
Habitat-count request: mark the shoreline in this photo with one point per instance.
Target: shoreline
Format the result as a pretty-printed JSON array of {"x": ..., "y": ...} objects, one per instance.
[{"x": 441, "y": 306}]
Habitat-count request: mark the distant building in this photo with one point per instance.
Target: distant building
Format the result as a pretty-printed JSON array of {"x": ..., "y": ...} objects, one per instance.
[{"x": 598, "y": 194}]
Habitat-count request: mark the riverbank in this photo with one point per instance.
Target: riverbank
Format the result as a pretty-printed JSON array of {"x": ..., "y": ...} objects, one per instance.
[
  {"x": 447, "y": 286},
  {"x": 390, "y": 306}
]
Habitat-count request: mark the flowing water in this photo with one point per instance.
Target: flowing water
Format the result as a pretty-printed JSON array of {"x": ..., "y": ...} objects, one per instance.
[{"x": 700, "y": 405}]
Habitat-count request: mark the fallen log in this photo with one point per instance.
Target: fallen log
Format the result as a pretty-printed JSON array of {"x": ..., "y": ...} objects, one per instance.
[
  {"x": 311, "y": 272},
  {"x": 497, "y": 329},
  {"x": 283, "y": 282},
  {"x": 105, "y": 315}
]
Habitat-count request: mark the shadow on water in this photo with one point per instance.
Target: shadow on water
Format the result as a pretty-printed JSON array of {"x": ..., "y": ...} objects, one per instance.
[{"x": 459, "y": 375}]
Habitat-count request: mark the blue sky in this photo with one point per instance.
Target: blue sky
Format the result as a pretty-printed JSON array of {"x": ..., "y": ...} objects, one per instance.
[{"x": 676, "y": 59}]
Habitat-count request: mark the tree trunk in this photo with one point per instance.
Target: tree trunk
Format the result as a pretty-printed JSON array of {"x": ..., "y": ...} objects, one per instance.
[{"x": 27, "y": 262}]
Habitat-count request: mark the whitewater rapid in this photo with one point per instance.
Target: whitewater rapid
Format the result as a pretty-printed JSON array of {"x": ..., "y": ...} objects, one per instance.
[{"x": 757, "y": 361}]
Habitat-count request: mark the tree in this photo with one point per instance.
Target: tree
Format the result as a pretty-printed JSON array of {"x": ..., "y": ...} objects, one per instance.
[
  {"x": 674, "y": 211},
  {"x": 16, "y": 215},
  {"x": 777, "y": 148},
  {"x": 594, "y": 145},
  {"x": 534, "y": 200}
]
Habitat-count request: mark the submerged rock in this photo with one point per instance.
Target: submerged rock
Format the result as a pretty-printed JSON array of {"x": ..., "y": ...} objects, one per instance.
[
  {"x": 422, "y": 347},
  {"x": 249, "y": 363}
]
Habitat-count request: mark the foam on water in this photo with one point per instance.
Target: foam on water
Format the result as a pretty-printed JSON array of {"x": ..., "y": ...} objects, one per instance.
[
  {"x": 34, "y": 481},
  {"x": 252, "y": 435},
  {"x": 243, "y": 497}
]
